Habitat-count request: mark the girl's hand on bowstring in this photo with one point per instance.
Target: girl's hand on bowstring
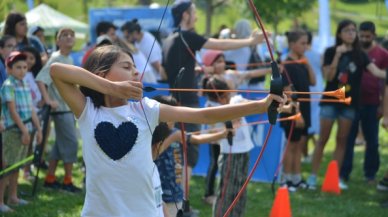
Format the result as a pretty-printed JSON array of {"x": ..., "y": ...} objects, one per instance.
[{"x": 128, "y": 90}]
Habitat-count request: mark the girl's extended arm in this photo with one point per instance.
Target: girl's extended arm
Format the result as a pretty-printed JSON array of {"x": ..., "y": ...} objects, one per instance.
[
  {"x": 195, "y": 139},
  {"x": 217, "y": 114},
  {"x": 230, "y": 44},
  {"x": 256, "y": 73},
  {"x": 202, "y": 138},
  {"x": 68, "y": 77}
]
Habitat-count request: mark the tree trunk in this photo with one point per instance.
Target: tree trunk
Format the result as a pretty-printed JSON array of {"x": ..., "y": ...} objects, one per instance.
[
  {"x": 85, "y": 9},
  {"x": 209, "y": 13}
]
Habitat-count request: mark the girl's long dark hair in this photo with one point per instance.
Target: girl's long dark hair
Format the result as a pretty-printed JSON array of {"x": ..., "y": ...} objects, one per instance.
[
  {"x": 10, "y": 24},
  {"x": 38, "y": 61},
  {"x": 214, "y": 82},
  {"x": 162, "y": 131},
  {"x": 356, "y": 52},
  {"x": 101, "y": 61}
]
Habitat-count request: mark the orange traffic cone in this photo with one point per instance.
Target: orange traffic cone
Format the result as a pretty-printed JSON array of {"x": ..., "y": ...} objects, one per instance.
[
  {"x": 281, "y": 206},
  {"x": 331, "y": 182}
]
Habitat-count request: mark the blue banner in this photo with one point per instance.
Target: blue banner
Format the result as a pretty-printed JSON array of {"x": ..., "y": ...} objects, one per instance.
[{"x": 272, "y": 154}]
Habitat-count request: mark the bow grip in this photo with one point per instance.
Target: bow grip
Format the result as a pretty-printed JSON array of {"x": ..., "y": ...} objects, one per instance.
[
  {"x": 277, "y": 89},
  {"x": 229, "y": 125}
]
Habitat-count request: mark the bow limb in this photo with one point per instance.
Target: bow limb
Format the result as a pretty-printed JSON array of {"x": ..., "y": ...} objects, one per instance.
[{"x": 276, "y": 88}]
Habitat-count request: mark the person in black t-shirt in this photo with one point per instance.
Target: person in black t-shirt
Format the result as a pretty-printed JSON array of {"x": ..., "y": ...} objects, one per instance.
[
  {"x": 297, "y": 77},
  {"x": 369, "y": 111},
  {"x": 178, "y": 50},
  {"x": 343, "y": 65}
]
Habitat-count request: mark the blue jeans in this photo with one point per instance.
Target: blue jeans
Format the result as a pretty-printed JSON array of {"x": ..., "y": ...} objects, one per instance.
[
  {"x": 370, "y": 127},
  {"x": 334, "y": 112}
]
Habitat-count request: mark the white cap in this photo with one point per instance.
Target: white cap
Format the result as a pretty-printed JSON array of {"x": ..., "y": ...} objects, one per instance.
[{"x": 103, "y": 39}]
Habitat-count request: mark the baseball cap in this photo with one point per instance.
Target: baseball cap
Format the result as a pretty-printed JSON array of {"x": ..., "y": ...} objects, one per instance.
[
  {"x": 103, "y": 40},
  {"x": 210, "y": 56},
  {"x": 177, "y": 10},
  {"x": 225, "y": 33},
  {"x": 13, "y": 57},
  {"x": 34, "y": 29}
]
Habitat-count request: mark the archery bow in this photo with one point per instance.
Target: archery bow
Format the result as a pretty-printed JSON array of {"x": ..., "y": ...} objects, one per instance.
[{"x": 277, "y": 89}]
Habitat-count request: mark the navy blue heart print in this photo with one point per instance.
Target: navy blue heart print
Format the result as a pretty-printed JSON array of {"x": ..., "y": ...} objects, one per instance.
[{"x": 116, "y": 142}]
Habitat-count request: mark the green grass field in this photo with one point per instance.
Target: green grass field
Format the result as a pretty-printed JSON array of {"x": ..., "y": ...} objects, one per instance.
[{"x": 359, "y": 201}]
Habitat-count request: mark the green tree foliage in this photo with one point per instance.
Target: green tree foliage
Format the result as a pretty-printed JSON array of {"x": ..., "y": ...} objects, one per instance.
[
  {"x": 275, "y": 12},
  {"x": 209, "y": 6}
]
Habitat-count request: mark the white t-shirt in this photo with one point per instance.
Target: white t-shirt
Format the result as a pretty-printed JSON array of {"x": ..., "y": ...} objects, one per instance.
[
  {"x": 158, "y": 191},
  {"x": 120, "y": 187},
  {"x": 242, "y": 141},
  {"x": 145, "y": 46},
  {"x": 140, "y": 62}
]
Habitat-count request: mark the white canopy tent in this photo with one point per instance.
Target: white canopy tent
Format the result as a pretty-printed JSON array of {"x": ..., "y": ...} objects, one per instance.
[{"x": 51, "y": 21}]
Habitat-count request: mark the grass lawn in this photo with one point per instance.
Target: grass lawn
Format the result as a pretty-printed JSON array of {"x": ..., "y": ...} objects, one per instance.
[{"x": 361, "y": 200}]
